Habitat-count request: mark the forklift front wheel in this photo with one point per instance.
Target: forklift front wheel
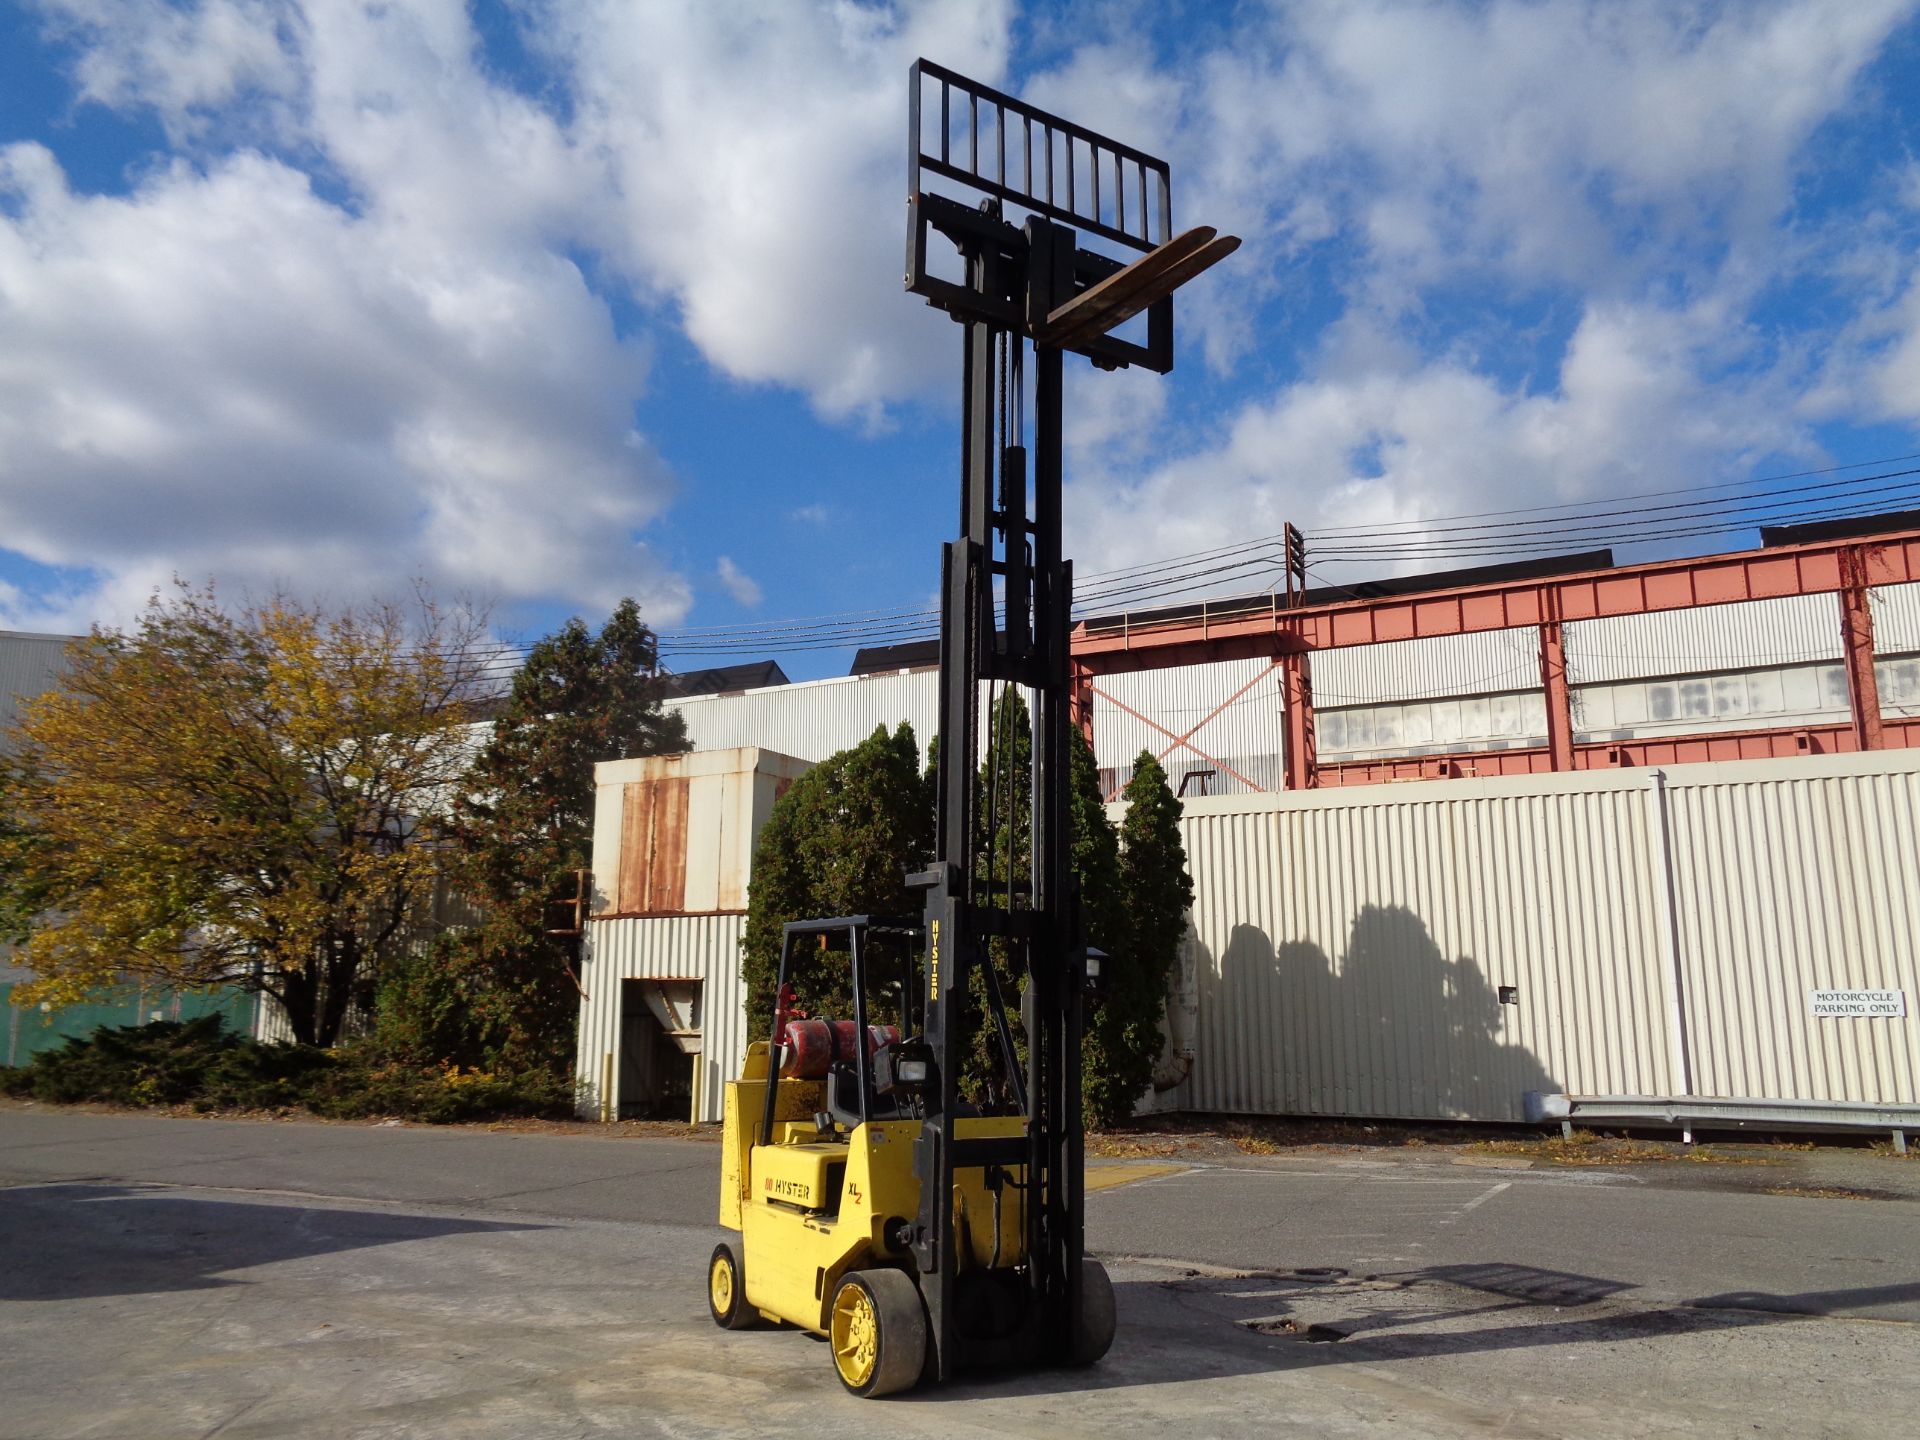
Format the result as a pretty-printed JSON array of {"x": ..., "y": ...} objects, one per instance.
[
  {"x": 727, "y": 1289},
  {"x": 1094, "y": 1334},
  {"x": 878, "y": 1332}
]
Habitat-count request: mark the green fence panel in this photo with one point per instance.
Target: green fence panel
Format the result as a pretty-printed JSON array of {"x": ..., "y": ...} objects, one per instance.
[{"x": 29, "y": 1029}]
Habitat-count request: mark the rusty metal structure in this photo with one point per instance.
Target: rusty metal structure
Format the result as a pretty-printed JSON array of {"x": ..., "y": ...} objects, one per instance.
[{"x": 1288, "y": 634}]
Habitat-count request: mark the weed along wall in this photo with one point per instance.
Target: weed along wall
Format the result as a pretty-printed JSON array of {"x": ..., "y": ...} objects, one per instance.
[
  {"x": 663, "y": 1017},
  {"x": 1441, "y": 949}
]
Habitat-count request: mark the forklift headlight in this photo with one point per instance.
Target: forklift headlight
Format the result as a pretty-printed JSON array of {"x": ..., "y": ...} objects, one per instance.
[{"x": 910, "y": 1072}]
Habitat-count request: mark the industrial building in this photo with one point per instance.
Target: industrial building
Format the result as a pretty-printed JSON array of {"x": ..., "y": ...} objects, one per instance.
[
  {"x": 30, "y": 665},
  {"x": 1569, "y": 664},
  {"x": 663, "y": 1001},
  {"x": 1584, "y": 914}
]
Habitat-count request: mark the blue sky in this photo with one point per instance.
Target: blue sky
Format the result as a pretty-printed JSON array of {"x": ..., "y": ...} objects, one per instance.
[{"x": 554, "y": 302}]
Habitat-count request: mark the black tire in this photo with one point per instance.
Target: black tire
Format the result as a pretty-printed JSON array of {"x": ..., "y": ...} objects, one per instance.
[
  {"x": 1093, "y": 1332},
  {"x": 727, "y": 1289},
  {"x": 877, "y": 1331}
]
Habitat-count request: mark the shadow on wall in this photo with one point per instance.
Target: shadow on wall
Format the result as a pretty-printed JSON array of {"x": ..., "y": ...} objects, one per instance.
[{"x": 1396, "y": 1030}]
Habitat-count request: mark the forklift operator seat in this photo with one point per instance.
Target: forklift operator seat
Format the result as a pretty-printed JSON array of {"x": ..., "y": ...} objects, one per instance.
[{"x": 843, "y": 1098}]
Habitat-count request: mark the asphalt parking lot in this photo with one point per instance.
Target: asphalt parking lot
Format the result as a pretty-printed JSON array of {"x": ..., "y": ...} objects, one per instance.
[{"x": 164, "y": 1278}]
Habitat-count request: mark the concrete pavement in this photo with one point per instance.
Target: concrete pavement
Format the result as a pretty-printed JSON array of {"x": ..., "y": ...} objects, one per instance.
[{"x": 164, "y": 1278}]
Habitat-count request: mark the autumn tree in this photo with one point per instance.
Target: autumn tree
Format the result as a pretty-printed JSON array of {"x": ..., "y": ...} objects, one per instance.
[
  {"x": 499, "y": 993},
  {"x": 839, "y": 842},
  {"x": 248, "y": 797}
]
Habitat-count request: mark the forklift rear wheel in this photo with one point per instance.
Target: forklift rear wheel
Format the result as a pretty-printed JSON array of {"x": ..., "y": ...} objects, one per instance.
[
  {"x": 1094, "y": 1334},
  {"x": 879, "y": 1332},
  {"x": 727, "y": 1289}
]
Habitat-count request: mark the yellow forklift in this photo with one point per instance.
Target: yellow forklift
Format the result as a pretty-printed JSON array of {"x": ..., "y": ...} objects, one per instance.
[{"x": 922, "y": 1227}]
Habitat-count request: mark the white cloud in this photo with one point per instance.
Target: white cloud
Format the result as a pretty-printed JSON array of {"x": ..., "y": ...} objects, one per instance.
[
  {"x": 340, "y": 338},
  {"x": 757, "y": 152},
  {"x": 225, "y": 373},
  {"x": 1892, "y": 373},
  {"x": 222, "y": 374},
  {"x": 1603, "y": 147},
  {"x": 744, "y": 589},
  {"x": 1630, "y": 413},
  {"x": 184, "y": 61},
  {"x": 1635, "y": 164}
]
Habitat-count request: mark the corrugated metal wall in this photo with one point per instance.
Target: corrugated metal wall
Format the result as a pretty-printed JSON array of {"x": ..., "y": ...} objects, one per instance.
[
  {"x": 1349, "y": 950},
  {"x": 1791, "y": 884},
  {"x": 1349, "y": 946},
  {"x": 1749, "y": 633},
  {"x": 1772, "y": 698},
  {"x": 1752, "y": 665},
  {"x": 1896, "y": 618},
  {"x": 1759, "y": 664},
  {"x": 1246, "y": 736},
  {"x": 29, "y": 665},
  {"x": 1485, "y": 663},
  {"x": 816, "y": 718},
  {"x": 1433, "y": 727},
  {"x": 440, "y": 909},
  {"x": 701, "y": 947},
  {"x": 1430, "y": 696}
]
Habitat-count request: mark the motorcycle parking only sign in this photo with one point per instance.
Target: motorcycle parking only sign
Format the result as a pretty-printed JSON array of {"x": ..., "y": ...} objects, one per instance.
[{"x": 1857, "y": 1003}]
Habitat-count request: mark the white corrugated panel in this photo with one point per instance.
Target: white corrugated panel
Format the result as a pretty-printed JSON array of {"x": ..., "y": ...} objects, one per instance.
[
  {"x": 1433, "y": 727},
  {"x": 1484, "y": 663},
  {"x": 815, "y": 718},
  {"x": 1899, "y": 682},
  {"x": 1791, "y": 883},
  {"x": 1349, "y": 945},
  {"x": 1896, "y": 618},
  {"x": 1767, "y": 699},
  {"x": 1244, "y": 737},
  {"x": 688, "y": 947},
  {"x": 1792, "y": 629},
  {"x": 1349, "y": 949},
  {"x": 30, "y": 665}
]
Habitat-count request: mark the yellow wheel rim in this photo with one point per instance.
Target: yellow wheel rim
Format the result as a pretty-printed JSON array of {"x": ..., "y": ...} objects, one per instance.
[
  {"x": 856, "y": 1335},
  {"x": 720, "y": 1285}
]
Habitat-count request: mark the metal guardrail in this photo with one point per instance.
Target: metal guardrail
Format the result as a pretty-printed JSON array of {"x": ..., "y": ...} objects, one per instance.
[{"x": 1723, "y": 1112}]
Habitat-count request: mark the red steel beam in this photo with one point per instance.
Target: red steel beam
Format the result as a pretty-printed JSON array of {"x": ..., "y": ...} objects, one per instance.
[
  {"x": 1301, "y": 761},
  {"x": 1856, "y": 638},
  {"x": 1080, "y": 700},
  {"x": 1812, "y": 569},
  {"x": 1553, "y": 679}
]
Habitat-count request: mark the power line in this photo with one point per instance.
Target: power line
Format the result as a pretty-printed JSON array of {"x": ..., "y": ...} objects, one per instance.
[
  {"x": 1644, "y": 495},
  {"x": 1699, "y": 509},
  {"x": 1622, "y": 534},
  {"x": 1157, "y": 581}
]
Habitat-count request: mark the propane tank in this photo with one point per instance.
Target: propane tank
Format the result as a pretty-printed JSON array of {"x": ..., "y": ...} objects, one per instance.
[{"x": 812, "y": 1047}]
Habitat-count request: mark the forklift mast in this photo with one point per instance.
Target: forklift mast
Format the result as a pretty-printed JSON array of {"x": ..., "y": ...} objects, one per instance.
[{"x": 1006, "y": 603}]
